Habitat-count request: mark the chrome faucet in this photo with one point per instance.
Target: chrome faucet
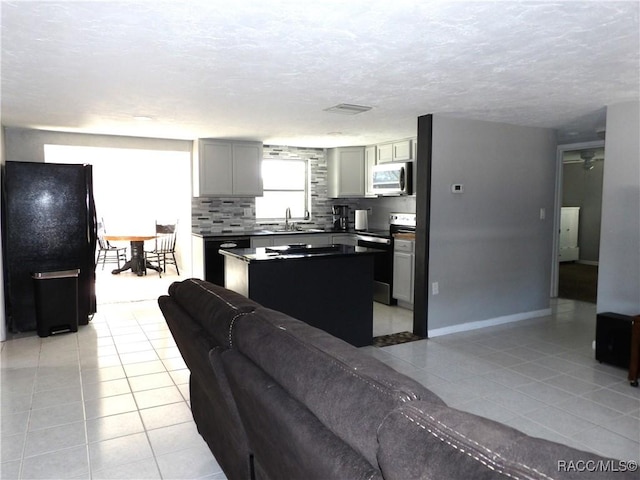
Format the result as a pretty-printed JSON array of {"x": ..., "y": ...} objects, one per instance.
[{"x": 287, "y": 217}]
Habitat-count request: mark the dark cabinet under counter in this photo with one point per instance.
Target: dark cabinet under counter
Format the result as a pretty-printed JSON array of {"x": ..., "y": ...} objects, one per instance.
[
  {"x": 327, "y": 286},
  {"x": 208, "y": 264}
]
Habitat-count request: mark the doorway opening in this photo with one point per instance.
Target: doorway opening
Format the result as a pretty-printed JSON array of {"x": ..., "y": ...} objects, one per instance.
[
  {"x": 580, "y": 210},
  {"x": 134, "y": 188}
]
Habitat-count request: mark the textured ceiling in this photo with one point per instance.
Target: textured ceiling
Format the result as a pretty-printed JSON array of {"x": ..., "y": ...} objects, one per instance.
[{"x": 266, "y": 70}]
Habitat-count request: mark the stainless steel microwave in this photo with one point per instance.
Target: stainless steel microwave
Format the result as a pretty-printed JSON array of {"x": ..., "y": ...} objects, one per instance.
[{"x": 392, "y": 178}]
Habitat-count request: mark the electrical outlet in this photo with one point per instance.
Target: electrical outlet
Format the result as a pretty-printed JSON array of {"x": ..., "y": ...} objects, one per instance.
[
  {"x": 247, "y": 212},
  {"x": 543, "y": 214},
  {"x": 435, "y": 288}
]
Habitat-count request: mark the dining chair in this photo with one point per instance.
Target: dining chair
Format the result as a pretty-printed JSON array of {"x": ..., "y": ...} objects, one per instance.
[
  {"x": 164, "y": 251},
  {"x": 107, "y": 252}
]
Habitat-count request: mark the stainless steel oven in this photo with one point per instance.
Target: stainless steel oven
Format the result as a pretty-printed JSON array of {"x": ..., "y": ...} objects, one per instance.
[{"x": 383, "y": 263}]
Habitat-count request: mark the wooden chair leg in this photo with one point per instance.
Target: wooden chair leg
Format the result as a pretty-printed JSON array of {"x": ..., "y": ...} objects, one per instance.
[{"x": 175, "y": 262}]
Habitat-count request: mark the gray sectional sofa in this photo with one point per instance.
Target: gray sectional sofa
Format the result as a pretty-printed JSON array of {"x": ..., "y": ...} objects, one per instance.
[{"x": 275, "y": 398}]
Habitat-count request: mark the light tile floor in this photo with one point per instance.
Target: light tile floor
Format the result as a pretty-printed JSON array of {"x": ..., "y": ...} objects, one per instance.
[
  {"x": 112, "y": 400},
  {"x": 539, "y": 376}
]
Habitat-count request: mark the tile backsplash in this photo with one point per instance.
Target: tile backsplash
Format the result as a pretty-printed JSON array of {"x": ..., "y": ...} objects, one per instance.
[{"x": 220, "y": 214}]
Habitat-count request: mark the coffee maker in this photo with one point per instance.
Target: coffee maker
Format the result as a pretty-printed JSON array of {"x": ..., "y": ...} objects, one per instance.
[{"x": 340, "y": 217}]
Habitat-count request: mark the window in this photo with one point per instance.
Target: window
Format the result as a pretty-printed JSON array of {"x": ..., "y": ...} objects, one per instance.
[{"x": 285, "y": 186}]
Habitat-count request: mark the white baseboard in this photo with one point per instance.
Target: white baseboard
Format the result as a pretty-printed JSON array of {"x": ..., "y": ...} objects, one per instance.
[{"x": 463, "y": 327}]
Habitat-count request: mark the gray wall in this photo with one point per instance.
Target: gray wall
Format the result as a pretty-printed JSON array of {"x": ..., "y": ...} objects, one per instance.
[
  {"x": 489, "y": 250},
  {"x": 619, "y": 270},
  {"x": 582, "y": 188}
]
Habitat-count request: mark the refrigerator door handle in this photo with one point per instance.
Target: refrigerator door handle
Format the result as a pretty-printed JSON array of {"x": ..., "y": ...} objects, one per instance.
[{"x": 92, "y": 216}]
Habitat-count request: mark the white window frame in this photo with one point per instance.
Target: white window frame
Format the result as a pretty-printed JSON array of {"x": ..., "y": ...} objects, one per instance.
[{"x": 307, "y": 190}]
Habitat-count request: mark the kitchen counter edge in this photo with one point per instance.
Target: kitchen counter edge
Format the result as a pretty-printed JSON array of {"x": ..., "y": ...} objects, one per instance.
[{"x": 260, "y": 255}]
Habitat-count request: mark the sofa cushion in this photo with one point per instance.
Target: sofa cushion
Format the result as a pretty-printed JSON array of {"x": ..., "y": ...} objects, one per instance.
[
  {"x": 215, "y": 311},
  {"x": 287, "y": 440},
  {"x": 345, "y": 388},
  {"x": 421, "y": 440}
]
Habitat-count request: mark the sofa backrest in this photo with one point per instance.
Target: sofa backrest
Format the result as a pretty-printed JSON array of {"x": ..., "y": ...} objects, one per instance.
[
  {"x": 286, "y": 439},
  {"x": 349, "y": 391},
  {"x": 421, "y": 440},
  {"x": 216, "y": 311}
]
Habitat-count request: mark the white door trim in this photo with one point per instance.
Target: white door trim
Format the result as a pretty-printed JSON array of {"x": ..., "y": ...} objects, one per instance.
[{"x": 558, "y": 205}]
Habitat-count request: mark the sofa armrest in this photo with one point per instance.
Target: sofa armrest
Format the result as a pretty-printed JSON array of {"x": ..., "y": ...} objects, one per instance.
[{"x": 421, "y": 440}]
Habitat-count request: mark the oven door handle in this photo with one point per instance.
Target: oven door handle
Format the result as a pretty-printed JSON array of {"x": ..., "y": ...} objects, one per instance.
[{"x": 365, "y": 238}]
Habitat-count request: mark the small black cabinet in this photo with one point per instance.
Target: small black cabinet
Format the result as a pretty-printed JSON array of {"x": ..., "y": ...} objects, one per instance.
[{"x": 613, "y": 339}]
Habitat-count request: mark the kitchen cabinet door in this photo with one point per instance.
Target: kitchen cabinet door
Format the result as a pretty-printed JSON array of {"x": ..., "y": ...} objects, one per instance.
[
  {"x": 247, "y": 174},
  {"x": 385, "y": 153},
  {"x": 346, "y": 172},
  {"x": 215, "y": 163},
  {"x": 261, "y": 241},
  {"x": 369, "y": 162},
  {"x": 225, "y": 168},
  {"x": 403, "y": 270},
  {"x": 401, "y": 150},
  {"x": 398, "y": 151}
]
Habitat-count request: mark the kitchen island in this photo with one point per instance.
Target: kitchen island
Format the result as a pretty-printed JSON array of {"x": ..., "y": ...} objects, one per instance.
[{"x": 327, "y": 286}]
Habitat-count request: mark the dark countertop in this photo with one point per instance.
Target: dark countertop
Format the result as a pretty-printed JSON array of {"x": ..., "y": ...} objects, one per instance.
[{"x": 280, "y": 253}]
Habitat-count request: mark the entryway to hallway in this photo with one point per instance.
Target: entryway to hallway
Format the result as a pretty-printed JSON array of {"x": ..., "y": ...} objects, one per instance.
[{"x": 580, "y": 197}]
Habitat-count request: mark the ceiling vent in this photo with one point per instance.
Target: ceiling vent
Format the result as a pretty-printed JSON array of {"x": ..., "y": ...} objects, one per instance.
[{"x": 347, "y": 109}]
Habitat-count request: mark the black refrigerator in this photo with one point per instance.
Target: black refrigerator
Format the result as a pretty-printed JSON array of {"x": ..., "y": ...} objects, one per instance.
[{"x": 49, "y": 224}]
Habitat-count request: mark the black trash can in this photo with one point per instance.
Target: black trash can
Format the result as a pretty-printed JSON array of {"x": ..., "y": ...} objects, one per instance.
[{"x": 56, "y": 301}]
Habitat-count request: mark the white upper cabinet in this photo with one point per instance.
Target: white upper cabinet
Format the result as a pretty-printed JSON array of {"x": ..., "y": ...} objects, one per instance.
[
  {"x": 227, "y": 168},
  {"x": 369, "y": 162},
  {"x": 402, "y": 150},
  {"x": 346, "y": 169},
  {"x": 397, "y": 151},
  {"x": 385, "y": 153}
]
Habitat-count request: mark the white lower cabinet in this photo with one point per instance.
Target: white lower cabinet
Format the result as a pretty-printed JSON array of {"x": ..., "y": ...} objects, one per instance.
[
  {"x": 403, "y": 270},
  {"x": 261, "y": 241}
]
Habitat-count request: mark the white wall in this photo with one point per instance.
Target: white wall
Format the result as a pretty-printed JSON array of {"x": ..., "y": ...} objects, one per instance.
[
  {"x": 26, "y": 145},
  {"x": 619, "y": 270},
  {"x": 489, "y": 250}
]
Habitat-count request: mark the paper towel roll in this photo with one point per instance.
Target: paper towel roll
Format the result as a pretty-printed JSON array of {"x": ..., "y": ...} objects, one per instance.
[{"x": 362, "y": 222}]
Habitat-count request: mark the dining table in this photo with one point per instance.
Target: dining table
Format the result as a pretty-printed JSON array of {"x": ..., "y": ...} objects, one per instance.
[{"x": 137, "y": 263}]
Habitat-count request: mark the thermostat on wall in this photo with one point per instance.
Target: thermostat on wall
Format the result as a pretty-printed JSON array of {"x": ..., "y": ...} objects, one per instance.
[{"x": 457, "y": 188}]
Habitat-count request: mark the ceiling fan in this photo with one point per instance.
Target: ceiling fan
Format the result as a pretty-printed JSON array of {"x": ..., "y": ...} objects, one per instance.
[{"x": 586, "y": 157}]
